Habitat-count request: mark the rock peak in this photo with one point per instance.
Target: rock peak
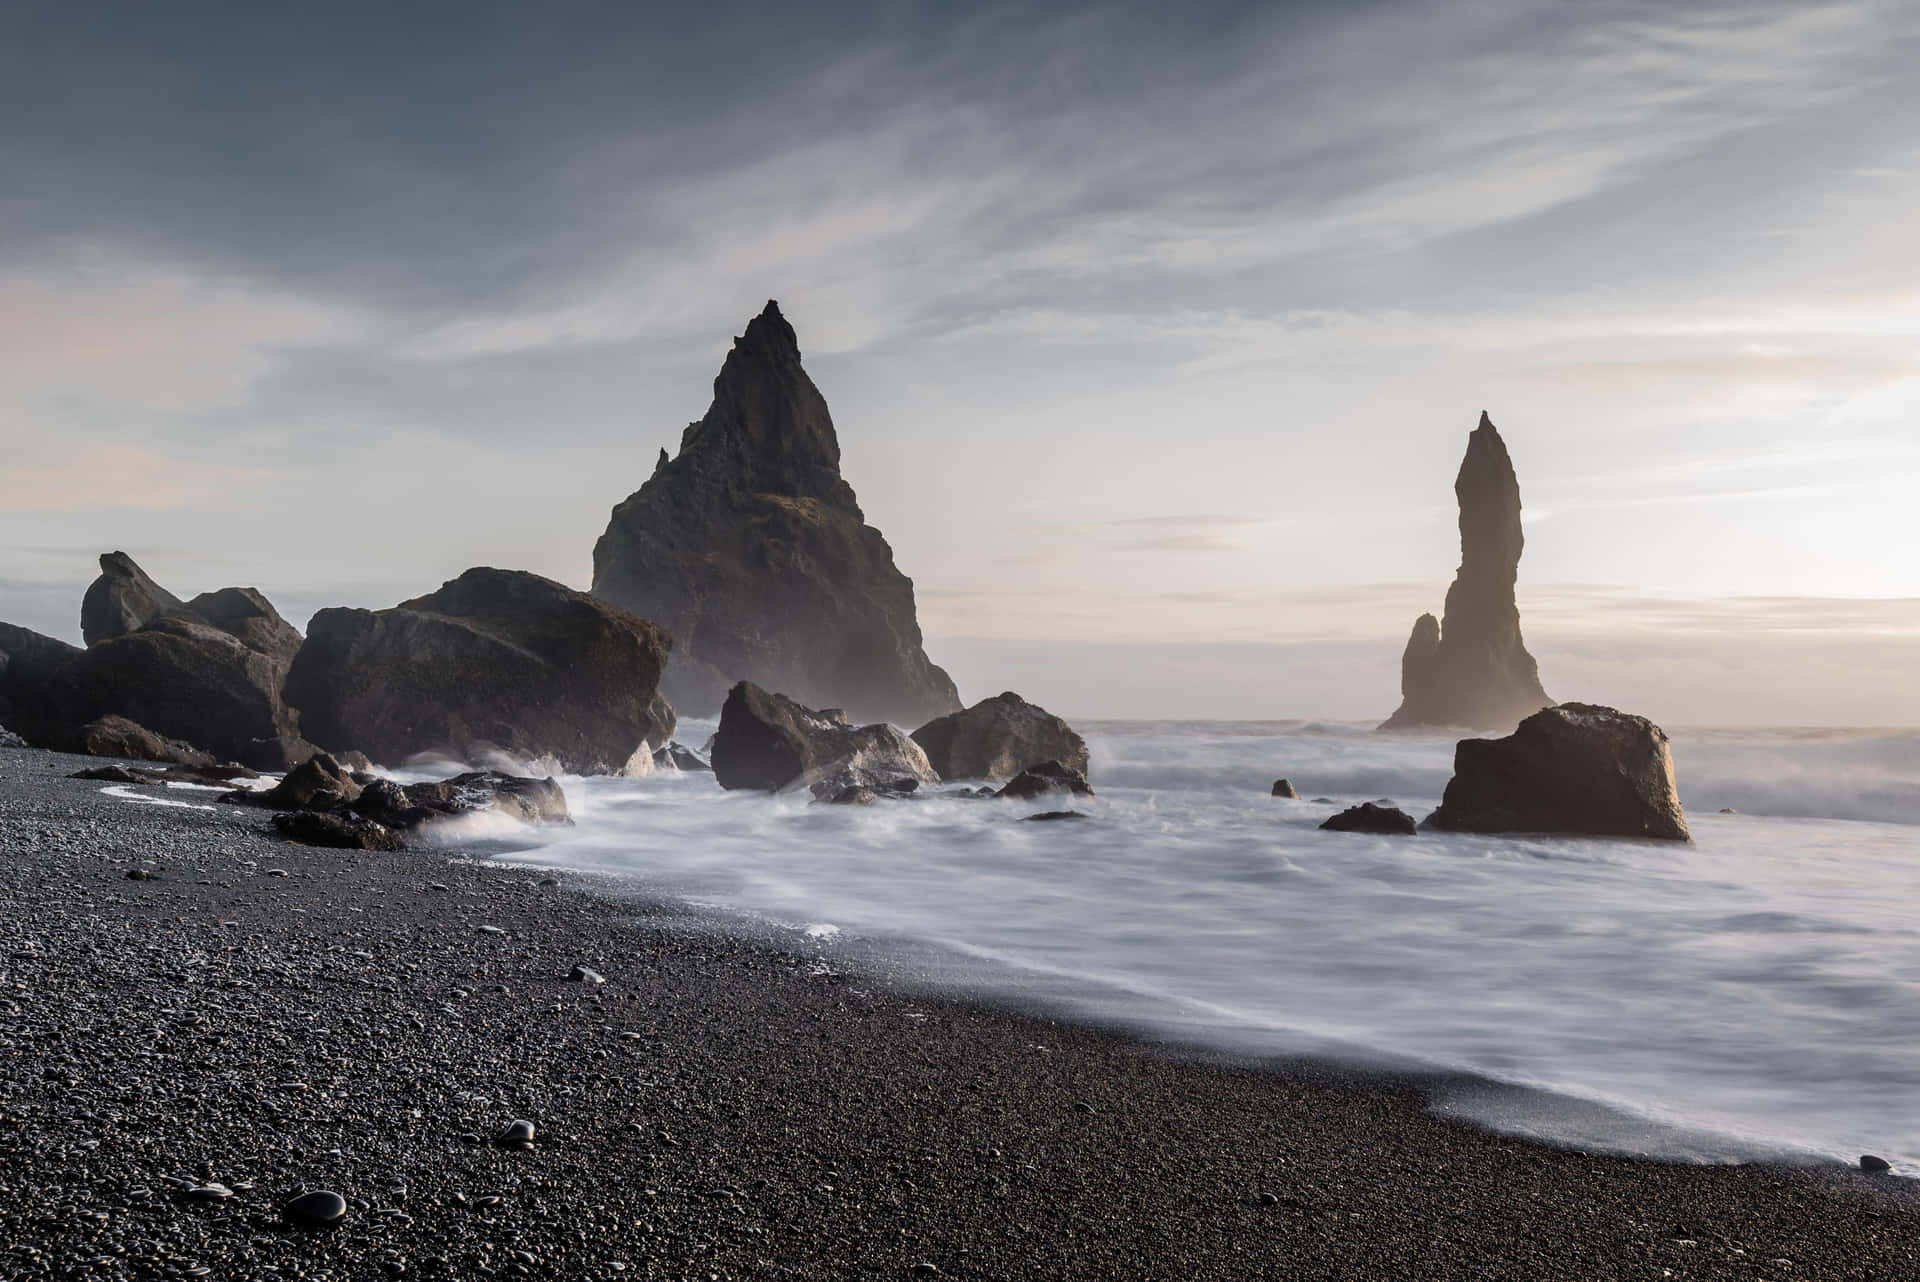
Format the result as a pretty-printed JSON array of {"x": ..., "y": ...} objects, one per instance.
[
  {"x": 750, "y": 547},
  {"x": 1471, "y": 668}
]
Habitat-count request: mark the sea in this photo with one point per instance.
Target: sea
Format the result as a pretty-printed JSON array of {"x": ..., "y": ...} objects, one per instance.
[{"x": 1753, "y": 995}]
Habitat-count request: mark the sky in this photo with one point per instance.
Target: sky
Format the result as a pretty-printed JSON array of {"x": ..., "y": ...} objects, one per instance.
[{"x": 1153, "y": 334}]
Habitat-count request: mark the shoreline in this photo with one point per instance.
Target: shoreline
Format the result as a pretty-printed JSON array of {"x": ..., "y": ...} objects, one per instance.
[{"x": 271, "y": 1015}]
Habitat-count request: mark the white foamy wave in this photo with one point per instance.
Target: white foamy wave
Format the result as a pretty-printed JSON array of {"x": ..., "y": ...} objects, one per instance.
[{"x": 1751, "y": 993}]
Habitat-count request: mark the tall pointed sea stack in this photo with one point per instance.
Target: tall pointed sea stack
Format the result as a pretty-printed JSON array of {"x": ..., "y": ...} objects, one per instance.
[
  {"x": 751, "y": 549},
  {"x": 1472, "y": 670}
]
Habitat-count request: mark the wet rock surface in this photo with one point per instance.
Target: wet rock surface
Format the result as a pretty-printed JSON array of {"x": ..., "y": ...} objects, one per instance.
[
  {"x": 1471, "y": 669},
  {"x": 495, "y": 660},
  {"x": 1370, "y": 816},
  {"x": 724, "y": 1106},
  {"x": 1043, "y": 779},
  {"x": 750, "y": 548},
  {"x": 768, "y": 742},
  {"x": 997, "y": 738},
  {"x": 1576, "y": 768}
]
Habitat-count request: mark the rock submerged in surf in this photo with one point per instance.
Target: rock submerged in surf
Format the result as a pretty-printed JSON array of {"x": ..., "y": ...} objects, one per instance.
[
  {"x": 1285, "y": 788},
  {"x": 1576, "y": 768},
  {"x": 767, "y": 743},
  {"x": 1046, "y": 778},
  {"x": 1369, "y": 817},
  {"x": 997, "y": 738}
]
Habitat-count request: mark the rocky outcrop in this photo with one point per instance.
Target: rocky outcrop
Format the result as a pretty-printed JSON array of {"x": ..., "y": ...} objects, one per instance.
[
  {"x": 186, "y": 679},
  {"x": 28, "y": 664},
  {"x": 1285, "y": 788},
  {"x": 129, "y": 741},
  {"x": 1045, "y": 777},
  {"x": 1471, "y": 669},
  {"x": 1575, "y": 768},
  {"x": 495, "y": 660},
  {"x": 750, "y": 548},
  {"x": 768, "y": 743},
  {"x": 249, "y": 618},
  {"x": 122, "y": 600},
  {"x": 1372, "y": 817},
  {"x": 322, "y": 804},
  {"x": 675, "y": 755},
  {"x": 997, "y": 738}
]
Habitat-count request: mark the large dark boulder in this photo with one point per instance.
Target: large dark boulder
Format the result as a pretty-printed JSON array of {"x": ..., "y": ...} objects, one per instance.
[
  {"x": 28, "y": 664},
  {"x": 997, "y": 738},
  {"x": 122, "y": 600},
  {"x": 1574, "y": 768},
  {"x": 318, "y": 783},
  {"x": 496, "y": 659},
  {"x": 184, "y": 679},
  {"x": 768, "y": 742},
  {"x": 1472, "y": 669},
  {"x": 249, "y": 618},
  {"x": 750, "y": 548}
]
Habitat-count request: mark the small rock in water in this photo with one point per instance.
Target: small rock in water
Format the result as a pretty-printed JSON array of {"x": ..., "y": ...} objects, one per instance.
[
  {"x": 1285, "y": 788},
  {"x": 517, "y": 1134},
  {"x": 1371, "y": 817},
  {"x": 1728, "y": 810},
  {"x": 1046, "y": 815},
  {"x": 1874, "y": 1165},
  {"x": 319, "y": 1209},
  {"x": 586, "y": 975}
]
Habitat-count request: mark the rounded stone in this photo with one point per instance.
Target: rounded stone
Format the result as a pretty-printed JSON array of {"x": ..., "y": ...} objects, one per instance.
[
  {"x": 1874, "y": 1165},
  {"x": 516, "y": 1134},
  {"x": 316, "y": 1209}
]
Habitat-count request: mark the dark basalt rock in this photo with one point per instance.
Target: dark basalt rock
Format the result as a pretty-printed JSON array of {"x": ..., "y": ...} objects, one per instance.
[
  {"x": 318, "y": 1209},
  {"x": 183, "y": 678},
  {"x": 28, "y": 664},
  {"x": 1368, "y": 817},
  {"x": 122, "y": 600},
  {"x": 1285, "y": 788},
  {"x": 1043, "y": 778},
  {"x": 318, "y": 783},
  {"x": 249, "y": 618},
  {"x": 849, "y": 788},
  {"x": 1575, "y": 768},
  {"x": 1048, "y": 816},
  {"x": 1473, "y": 669},
  {"x": 130, "y": 741},
  {"x": 750, "y": 548},
  {"x": 768, "y": 742},
  {"x": 997, "y": 738},
  {"x": 337, "y": 830},
  {"x": 495, "y": 658}
]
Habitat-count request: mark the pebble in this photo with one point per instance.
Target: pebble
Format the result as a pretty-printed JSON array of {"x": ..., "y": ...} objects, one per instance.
[
  {"x": 317, "y": 1209},
  {"x": 517, "y": 1134},
  {"x": 492, "y": 930},
  {"x": 586, "y": 975},
  {"x": 209, "y": 1192},
  {"x": 1874, "y": 1165},
  {"x": 138, "y": 874}
]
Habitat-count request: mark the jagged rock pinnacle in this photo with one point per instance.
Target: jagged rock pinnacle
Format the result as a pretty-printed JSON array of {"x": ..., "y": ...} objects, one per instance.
[
  {"x": 750, "y": 547},
  {"x": 1471, "y": 668}
]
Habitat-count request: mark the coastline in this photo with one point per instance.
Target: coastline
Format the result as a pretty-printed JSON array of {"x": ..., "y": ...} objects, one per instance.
[{"x": 264, "y": 1014}]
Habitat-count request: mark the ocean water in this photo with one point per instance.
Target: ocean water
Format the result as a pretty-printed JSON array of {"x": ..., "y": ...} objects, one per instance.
[{"x": 1754, "y": 994}]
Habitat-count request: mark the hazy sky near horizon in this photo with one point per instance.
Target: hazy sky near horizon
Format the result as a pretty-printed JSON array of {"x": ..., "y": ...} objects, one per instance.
[{"x": 1153, "y": 338}]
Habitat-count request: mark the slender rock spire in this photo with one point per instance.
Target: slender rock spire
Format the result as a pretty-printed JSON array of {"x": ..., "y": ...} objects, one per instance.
[{"x": 1471, "y": 668}]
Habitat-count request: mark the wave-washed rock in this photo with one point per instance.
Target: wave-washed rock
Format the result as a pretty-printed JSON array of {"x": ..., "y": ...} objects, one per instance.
[{"x": 769, "y": 743}]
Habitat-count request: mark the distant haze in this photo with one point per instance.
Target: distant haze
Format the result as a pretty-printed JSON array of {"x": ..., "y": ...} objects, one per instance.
[{"x": 1153, "y": 338}]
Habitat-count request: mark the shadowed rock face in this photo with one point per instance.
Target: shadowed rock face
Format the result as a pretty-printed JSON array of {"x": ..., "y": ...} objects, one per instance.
[
  {"x": 495, "y": 659},
  {"x": 122, "y": 600},
  {"x": 997, "y": 738},
  {"x": 1576, "y": 768},
  {"x": 750, "y": 548},
  {"x": 767, "y": 742},
  {"x": 1472, "y": 669}
]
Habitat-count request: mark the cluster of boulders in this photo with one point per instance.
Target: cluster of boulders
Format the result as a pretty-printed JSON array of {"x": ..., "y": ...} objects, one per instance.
[
  {"x": 497, "y": 662},
  {"x": 324, "y": 803},
  {"x": 770, "y": 743}
]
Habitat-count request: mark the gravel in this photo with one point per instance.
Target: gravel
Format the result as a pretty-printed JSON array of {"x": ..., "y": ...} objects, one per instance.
[{"x": 293, "y": 1025}]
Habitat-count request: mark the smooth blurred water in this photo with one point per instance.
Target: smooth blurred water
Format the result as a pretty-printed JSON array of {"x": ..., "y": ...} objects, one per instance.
[{"x": 1756, "y": 992}]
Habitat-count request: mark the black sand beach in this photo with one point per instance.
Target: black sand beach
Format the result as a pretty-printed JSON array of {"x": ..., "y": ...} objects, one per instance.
[{"x": 278, "y": 1019}]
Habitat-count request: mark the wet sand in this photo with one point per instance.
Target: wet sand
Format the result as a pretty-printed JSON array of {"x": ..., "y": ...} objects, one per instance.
[{"x": 277, "y": 1019}]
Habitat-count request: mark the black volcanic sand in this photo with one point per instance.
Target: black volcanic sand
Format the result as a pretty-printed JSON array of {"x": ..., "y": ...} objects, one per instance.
[{"x": 283, "y": 1020}]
